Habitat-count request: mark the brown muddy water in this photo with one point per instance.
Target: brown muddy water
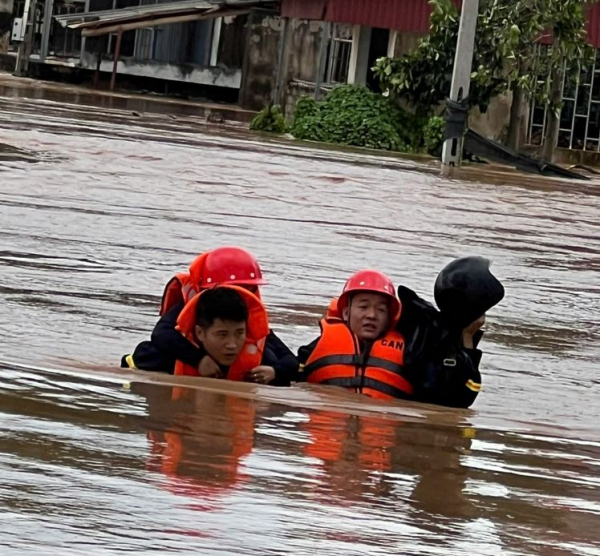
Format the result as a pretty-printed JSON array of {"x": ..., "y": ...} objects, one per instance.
[{"x": 99, "y": 206}]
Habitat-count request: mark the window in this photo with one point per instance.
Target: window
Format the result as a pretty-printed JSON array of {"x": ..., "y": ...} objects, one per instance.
[
  {"x": 340, "y": 47},
  {"x": 144, "y": 44},
  {"x": 65, "y": 42},
  {"x": 580, "y": 115}
]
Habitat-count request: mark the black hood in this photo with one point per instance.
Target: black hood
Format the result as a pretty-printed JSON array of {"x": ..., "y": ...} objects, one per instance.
[{"x": 466, "y": 289}]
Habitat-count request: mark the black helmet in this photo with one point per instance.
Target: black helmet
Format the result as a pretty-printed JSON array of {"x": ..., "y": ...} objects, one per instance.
[{"x": 466, "y": 289}]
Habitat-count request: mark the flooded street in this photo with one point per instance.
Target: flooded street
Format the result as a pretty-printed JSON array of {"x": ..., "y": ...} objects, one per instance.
[{"x": 99, "y": 205}]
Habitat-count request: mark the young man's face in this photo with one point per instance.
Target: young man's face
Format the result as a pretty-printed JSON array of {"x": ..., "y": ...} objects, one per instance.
[
  {"x": 223, "y": 340},
  {"x": 368, "y": 315}
]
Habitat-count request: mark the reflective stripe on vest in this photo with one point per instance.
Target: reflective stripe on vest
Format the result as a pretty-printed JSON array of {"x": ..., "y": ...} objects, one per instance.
[{"x": 335, "y": 361}]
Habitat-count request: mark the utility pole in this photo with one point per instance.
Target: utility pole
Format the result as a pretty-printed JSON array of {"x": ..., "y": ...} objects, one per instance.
[
  {"x": 24, "y": 53},
  {"x": 461, "y": 76},
  {"x": 46, "y": 27}
]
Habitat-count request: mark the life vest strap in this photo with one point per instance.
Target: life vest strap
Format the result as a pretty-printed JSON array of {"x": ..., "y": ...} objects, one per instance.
[
  {"x": 345, "y": 382},
  {"x": 331, "y": 360},
  {"x": 354, "y": 361},
  {"x": 385, "y": 365},
  {"x": 367, "y": 385},
  {"x": 388, "y": 389}
]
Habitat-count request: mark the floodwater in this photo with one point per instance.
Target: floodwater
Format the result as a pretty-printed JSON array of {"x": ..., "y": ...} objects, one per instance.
[{"x": 98, "y": 207}]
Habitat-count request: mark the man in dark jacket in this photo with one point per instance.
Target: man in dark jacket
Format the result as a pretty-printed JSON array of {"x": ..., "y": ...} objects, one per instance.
[
  {"x": 224, "y": 265},
  {"x": 168, "y": 345},
  {"x": 441, "y": 353}
]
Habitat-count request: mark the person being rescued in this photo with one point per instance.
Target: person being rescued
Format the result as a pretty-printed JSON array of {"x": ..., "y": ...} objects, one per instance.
[
  {"x": 168, "y": 346},
  {"x": 359, "y": 347},
  {"x": 231, "y": 326},
  {"x": 442, "y": 352}
]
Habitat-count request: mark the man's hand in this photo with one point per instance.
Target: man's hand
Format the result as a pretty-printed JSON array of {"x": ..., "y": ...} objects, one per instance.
[
  {"x": 208, "y": 368},
  {"x": 261, "y": 375},
  {"x": 471, "y": 330}
]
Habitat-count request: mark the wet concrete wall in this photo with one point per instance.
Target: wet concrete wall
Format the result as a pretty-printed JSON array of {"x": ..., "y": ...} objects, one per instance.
[
  {"x": 493, "y": 123},
  {"x": 303, "y": 49},
  {"x": 405, "y": 42},
  {"x": 6, "y": 8},
  {"x": 302, "y": 61},
  {"x": 182, "y": 73},
  {"x": 7, "y": 62},
  {"x": 232, "y": 42},
  {"x": 259, "y": 76}
]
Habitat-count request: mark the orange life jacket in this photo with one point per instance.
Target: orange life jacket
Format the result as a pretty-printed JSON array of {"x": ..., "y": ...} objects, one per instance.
[
  {"x": 173, "y": 452},
  {"x": 257, "y": 330},
  {"x": 183, "y": 286},
  {"x": 377, "y": 373},
  {"x": 335, "y": 436}
]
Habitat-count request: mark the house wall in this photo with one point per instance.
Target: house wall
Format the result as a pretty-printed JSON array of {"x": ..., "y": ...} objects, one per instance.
[
  {"x": 493, "y": 124},
  {"x": 6, "y": 18},
  {"x": 183, "y": 73},
  {"x": 179, "y": 52},
  {"x": 301, "y": 71},
  {"x": 259, "y": 76}
]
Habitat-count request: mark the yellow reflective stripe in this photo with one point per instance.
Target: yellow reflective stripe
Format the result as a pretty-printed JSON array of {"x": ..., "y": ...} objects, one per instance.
[
  {"x": 301, "y": 368},
  {"x": 130, "y": 363},
  {"x": 469, "y": 432},
  {"x": 474, "y": 386}
]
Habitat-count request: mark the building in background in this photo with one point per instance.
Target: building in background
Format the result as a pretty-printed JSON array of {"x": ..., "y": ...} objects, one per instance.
[{"x": 253, "y": 52}]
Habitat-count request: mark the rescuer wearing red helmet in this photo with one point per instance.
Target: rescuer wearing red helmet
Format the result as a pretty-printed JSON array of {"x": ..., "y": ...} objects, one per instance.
[
  {"x": 360, "y": 349},
  {"x": 222, "y": 266}
]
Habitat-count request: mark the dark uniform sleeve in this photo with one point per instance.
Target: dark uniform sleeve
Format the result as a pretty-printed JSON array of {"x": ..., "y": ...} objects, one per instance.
[
  {"x": 442, "y": 371},
  {"x": 281, "y": 358},
  {"x": 172, "y": 343},
  {"x": 453, "y": 382},
  {"x": 303, "y": 355}
]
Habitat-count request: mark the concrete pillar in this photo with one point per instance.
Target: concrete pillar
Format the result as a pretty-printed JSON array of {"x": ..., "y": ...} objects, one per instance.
[
  {"x": 83, "y": 39},
  {"x": 46, "y": 27},
  {"x": 216, "y": 39},
  {"x": 322, "y": 62},
  {"x": 359, "y": 55},
  {"x": 392, "y": 44},
  {"x": 6, "y": 8},
  {"x": 461, "y": 77},
  {"x": 281, "y": 59},
  {"x": 24, "y": 53}
]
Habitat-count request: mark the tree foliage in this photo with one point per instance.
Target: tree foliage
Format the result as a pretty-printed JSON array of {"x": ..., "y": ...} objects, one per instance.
[
  {"x": 433, "y": 136},
  {"x": 509, "y": 51}
]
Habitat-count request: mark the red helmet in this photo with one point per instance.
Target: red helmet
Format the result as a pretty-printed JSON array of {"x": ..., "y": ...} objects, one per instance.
[
  {"x": 231, "y": 265},
  {"x": 371, "y": 281}
]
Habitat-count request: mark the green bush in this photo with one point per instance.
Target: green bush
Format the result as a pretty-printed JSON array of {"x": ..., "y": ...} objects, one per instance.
[
  {"x": 306, "y": 107},
  {"x": 270, "y": 120},
  {"x": 433, "y": 135},
  {"x": 352, "y": 115}
]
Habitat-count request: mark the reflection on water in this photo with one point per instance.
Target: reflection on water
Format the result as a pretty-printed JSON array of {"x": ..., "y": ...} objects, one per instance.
[
  {"x": 154, "y": 467},
  {"x": 98, "y": 208}
]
